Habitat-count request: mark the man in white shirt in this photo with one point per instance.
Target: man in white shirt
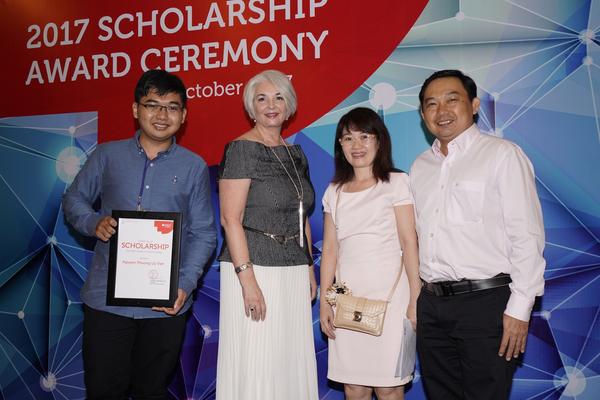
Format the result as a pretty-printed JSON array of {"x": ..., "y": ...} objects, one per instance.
[{"x": 481, "y": 238}]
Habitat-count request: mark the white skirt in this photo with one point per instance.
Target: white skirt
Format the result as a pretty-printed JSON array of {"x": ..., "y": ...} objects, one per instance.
[{"x": 272, "y": 359}]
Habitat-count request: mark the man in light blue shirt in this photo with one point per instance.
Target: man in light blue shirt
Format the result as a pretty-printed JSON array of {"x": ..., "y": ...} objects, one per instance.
[{"x": 133, "y": 350}]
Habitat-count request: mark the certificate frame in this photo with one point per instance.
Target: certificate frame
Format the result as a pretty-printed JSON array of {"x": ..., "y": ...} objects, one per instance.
[{"x": 143, "y": 265}]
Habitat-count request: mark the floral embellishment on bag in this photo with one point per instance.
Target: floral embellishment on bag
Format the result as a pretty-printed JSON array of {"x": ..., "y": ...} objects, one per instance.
[{"x": 334, "y": 290}]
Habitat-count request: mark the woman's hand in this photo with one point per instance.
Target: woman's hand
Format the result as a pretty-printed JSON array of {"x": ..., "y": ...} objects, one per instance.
[
  {"x": 326, "y": 318},
  {"x": 411, "y": 314},
  {"x": 254, "y": 302},
  {"x": 313, "y": 282}
]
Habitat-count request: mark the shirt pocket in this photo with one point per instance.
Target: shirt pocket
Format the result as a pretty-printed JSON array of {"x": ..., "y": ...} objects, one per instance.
[
  {"x": 171, "y": 192},
  {"x": 466, "y": 202}
]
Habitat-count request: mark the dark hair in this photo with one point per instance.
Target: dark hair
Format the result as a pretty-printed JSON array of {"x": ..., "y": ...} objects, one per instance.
[
  {"x": 364, "y": 120},
  {"x": 162, "y": 82},
  {"x": 467, "y": 82}
]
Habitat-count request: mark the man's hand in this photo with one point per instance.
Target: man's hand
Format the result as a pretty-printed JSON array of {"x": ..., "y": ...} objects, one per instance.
[
  {"x": 179, "y": 302},
  {"x": 106, "y": 228},
  {"x": 514, "y": 337}
]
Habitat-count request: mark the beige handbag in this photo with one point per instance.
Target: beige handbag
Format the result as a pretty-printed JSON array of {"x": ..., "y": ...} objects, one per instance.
[{"x": 359, "y": 313}]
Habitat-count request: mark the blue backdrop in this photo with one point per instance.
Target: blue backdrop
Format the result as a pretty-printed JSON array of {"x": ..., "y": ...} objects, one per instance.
[{"x": 537, "y": 64}]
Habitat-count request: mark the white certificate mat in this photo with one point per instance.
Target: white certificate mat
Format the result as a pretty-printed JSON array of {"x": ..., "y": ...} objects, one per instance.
[{"x": 143, "y": 259}]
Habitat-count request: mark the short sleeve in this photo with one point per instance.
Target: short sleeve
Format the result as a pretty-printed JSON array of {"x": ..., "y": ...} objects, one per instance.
[
  {"x": 400, "y": 189},
  {"x": 328, "y": 199},
  {"x": 239, "y": 160}
]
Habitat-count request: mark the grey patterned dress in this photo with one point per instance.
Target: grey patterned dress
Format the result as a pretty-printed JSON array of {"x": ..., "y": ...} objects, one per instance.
[{"x": 272, "y": 204}]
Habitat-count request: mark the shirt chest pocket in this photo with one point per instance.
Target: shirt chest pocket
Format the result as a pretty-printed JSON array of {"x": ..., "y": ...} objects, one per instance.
[
  {"x": 172, "y": 189},
  {"x": 465, "y": 204}
]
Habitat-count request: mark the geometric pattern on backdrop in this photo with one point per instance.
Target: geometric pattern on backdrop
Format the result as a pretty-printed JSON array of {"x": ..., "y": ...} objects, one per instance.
[
  {"x": 43, "y": 261},
  {"x": 537, "y": 67}
]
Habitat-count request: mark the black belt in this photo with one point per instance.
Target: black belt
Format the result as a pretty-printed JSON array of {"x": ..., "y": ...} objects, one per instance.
[
  {"x": 281, "y": 239},
  {"x": 450, "y": 288}
]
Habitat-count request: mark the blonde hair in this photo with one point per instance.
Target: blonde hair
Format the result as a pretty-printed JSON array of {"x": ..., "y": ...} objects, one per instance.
[{"x": 277, "y": 79}]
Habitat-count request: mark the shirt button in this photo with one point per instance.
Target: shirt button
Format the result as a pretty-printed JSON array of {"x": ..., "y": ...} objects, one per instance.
[
  {"x": 442, "y": 186},
  {"x": 147, "y": 186},
  {"x": 152, "y": 164},
  {"x": 431, "y": 235},
  {"x": 437, "y": 210}
]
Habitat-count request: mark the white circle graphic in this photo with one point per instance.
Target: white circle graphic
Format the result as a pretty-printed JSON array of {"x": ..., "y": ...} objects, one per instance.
[
  {"x": 382, "y": 96},
  {"x": 48, "y": 383},
  {"x": 572, "y": 379},
  {"x": 68, "y": 163}
]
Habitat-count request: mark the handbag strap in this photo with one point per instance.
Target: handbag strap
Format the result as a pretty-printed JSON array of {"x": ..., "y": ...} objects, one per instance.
[{"x": 339, "y": 190}]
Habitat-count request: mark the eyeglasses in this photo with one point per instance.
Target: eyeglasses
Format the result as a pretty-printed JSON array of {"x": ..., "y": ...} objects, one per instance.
[
  {"x": 154, "y": 108},
  {"x": 363, "y": 138}
]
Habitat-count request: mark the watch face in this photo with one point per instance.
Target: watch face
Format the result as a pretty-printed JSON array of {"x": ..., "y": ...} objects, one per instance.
[{"x": 241, "y": 268}]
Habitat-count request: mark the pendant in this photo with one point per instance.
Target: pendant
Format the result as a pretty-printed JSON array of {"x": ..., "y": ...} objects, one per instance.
[{"x": 301, "y": 223}]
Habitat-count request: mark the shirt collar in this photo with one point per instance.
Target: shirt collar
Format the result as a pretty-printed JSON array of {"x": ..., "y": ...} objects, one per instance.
[
  {"x": 136, "y": 139},
  {"x": 460, "y": 144}
]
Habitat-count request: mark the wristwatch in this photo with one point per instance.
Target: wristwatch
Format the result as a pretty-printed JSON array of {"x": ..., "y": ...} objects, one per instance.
[{"x": 243, "y": 267}]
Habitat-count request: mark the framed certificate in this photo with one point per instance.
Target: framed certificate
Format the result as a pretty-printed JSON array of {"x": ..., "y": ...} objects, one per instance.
[{"x": 143, "y": 264}]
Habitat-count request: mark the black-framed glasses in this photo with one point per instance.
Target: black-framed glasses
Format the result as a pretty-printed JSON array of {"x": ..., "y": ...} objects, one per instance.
[{"x": 155, "y": 108}]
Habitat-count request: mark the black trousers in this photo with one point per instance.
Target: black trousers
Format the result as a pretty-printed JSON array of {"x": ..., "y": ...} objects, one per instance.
[
  {"x": 458, "y": 338},
  {"x": 129, "y": 357}
]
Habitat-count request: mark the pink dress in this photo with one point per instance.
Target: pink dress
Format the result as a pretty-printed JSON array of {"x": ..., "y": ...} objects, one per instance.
[{"x": 370, "y": 258}]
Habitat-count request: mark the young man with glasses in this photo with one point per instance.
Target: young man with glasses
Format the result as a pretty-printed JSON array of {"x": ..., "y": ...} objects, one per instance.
[{"x": 132, "y": 351}]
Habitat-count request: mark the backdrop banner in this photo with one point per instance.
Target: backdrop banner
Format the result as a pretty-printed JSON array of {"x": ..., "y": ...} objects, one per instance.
[
  {"x": 72, "y": 56},
  {"x": 68, "y": 72}
]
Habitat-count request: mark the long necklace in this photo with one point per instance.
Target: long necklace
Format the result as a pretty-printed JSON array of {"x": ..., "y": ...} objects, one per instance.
[{"x": 299, "y": 191}]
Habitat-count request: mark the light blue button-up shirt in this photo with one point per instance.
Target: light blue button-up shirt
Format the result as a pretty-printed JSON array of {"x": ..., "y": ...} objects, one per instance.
[{"x": 120, "y": 175}]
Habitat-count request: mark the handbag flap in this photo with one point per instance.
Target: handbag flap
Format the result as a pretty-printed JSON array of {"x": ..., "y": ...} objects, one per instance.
[{"x": 368, "y": 307}]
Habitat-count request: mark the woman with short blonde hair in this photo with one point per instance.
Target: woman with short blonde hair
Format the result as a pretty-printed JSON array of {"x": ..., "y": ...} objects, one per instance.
[{"x": 266, "y": 345}]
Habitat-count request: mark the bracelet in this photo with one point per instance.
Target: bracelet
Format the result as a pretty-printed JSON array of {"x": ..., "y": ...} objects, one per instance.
[{"x": 243, "y": 267}]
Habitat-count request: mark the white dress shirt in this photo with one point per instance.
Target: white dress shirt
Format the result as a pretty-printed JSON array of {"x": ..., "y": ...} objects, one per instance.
[{"x": 478, "y": 215}]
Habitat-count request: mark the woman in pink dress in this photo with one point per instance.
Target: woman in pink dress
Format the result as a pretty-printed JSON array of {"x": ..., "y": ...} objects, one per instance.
[{"x": 369, "y": 229}]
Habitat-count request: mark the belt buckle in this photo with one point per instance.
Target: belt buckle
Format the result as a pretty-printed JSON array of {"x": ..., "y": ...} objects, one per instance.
[
  {"x": 447, "y": 289},
  {"x": 279, "y": 239}
]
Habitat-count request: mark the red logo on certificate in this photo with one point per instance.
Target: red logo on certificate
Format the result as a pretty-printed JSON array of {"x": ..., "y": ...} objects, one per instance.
[{"x": 164, "y": 227}]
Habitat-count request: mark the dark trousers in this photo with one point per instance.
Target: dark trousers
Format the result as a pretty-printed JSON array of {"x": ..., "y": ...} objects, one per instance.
[
  {"x": 458, "y": 338},
  {"x": 129, "y": 357}
]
